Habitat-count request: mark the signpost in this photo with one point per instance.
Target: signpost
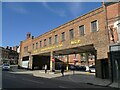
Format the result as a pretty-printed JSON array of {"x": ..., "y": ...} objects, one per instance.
[
  {"x": 53, "y": 61},
  {"x": 75, "y": 60}
]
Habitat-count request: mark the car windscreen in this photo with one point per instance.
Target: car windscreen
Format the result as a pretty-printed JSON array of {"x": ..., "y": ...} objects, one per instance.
[{"x": 6, "y": 65}]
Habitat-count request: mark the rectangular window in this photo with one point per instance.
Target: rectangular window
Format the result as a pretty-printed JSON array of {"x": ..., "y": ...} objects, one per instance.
[
  {"x": 33, "y": 46},
  {"x": 63, "y": 36},
  {"x": 36, "y": 45},
  {"x": 94, "y": 26},
  {"x": 81, "y": 30},
  {"x": 56, "y": 38},
  {"x": 45, "y": 42},
  {"x": 71, "y": 34},
  {"x": 50, "y": 40},
  {"x": 26, "y": 49},
  {"x": 40, "y": 43}
]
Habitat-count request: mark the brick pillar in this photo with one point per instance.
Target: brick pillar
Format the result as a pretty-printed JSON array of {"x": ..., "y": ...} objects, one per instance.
[
  {"x": 67, "y": 62},
  {"x": 30, "y": 62},
  {"x": 52, "y": 64},
  {"x": 87, "y": 63},
  {"x": 19, "y": 62}
]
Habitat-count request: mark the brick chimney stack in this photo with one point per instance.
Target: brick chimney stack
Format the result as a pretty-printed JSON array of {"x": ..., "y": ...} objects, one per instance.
[
  {"x": 28, "y": 35},
  {"x": 10, "y": 48}
]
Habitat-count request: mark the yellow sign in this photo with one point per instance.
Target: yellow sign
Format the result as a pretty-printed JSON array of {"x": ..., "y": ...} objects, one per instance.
[
  {"x": 51, "y": 47},
  {"x": 75, "y": 42},
  {"x": 35, "y": 51}
]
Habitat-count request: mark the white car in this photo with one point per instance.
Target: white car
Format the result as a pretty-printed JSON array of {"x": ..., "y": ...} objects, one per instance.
[
  {"x": 92, "y": 69},
  {"x": 6, "y": 67}
]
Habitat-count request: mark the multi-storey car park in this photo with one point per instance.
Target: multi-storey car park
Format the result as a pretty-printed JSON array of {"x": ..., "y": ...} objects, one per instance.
[{"x": 85, "y": 39}]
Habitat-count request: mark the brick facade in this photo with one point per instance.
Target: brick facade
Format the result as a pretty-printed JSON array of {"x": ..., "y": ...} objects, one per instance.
[{"x": 93, "y": 42}]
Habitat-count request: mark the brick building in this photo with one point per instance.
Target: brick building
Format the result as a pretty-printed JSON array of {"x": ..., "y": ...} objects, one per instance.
[
  {"x": 85, "y": 39},
  {"x": 8, "y": 55},
  {"x": 113, "y": 25}
]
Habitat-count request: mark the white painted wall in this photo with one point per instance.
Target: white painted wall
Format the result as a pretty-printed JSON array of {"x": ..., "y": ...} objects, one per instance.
[
  {"x": 25, "y": 64},
  {"x": 117, "y": 25}
]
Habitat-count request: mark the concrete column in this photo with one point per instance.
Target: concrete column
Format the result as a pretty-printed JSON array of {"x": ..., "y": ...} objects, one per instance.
[
  {"x": 67, "y": 62},
  {"x": 30, "y": 62}
]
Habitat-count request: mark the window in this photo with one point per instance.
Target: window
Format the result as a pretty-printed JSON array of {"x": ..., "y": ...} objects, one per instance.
[
  {"x": 56, "y": 38},
  {"x": 94, "y": 26},
  {"x": 36, "y": 45},
  {"x": 63, "y": 36},
  {"x": 71, "y": 34},
  {"x": 50, "y": 40},
  {"x": 45, "y": 42},
  {"x": 40, "y": 43},
  {"x": 33, "y": 46},
  {"x": 26, "y": 49},
  {"x": 81, "y": 30}
]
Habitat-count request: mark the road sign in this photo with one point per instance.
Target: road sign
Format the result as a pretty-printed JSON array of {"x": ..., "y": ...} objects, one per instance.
[
  {"x": 53, "y": 59},
  {"x": 74, "y": 59}
]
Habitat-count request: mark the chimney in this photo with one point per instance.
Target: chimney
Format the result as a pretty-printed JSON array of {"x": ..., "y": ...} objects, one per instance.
[
  {"x": 32, "y": 37},
  {"x": 28, "y": 35},
  {"x": 10, "y": 48},
  {"x": 7, "y": 47}
]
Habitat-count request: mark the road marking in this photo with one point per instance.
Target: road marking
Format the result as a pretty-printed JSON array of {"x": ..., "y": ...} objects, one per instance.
[
  {"x": 62, "y": 87},
  {"x": 33, "y": 81}
]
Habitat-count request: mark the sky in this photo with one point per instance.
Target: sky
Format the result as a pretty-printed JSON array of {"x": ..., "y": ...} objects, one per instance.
[{"x": 18, "y": 18}]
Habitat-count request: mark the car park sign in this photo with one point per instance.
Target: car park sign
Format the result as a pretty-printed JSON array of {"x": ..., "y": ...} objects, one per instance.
[
  {"x": 74, "y": 59},
  {"x": 53, "y": 59}
]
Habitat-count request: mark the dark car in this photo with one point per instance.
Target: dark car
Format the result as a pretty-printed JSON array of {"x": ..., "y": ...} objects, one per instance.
[{"x": 71, "y": 67}]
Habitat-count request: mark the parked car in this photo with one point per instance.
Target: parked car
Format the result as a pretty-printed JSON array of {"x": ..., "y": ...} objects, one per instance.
[
  {"x": 80, "y": 68},
  {"x": 71, "y": 67},
  {"x": 92, "y": 69},
  {"x": 6, "y": 66}
]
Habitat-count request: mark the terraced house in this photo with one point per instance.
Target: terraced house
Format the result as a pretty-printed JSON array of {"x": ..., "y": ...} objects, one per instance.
[{"x": 83, "y": 41}]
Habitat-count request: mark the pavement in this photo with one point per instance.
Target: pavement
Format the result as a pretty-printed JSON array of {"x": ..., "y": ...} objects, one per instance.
[{"x": 77, "y": 77}]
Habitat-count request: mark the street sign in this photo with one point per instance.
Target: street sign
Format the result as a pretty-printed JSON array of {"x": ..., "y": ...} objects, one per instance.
[
  {"x": 53, "y": 59},
  {"x": 74, "y": 59}
]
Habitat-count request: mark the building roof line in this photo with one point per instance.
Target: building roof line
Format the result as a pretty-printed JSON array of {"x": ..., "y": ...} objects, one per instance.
[{"x": 65, "y": 25}]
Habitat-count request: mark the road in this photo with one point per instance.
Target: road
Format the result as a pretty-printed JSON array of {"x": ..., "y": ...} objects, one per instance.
[{"x": 11, "y": 80}]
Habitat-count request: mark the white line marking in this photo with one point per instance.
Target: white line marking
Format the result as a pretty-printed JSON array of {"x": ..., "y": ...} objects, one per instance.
[{"x": 33, "y": 81}]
